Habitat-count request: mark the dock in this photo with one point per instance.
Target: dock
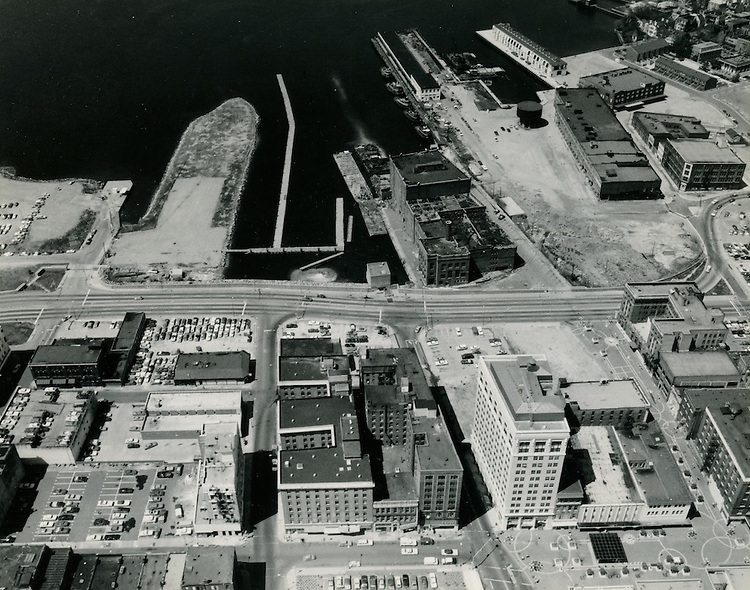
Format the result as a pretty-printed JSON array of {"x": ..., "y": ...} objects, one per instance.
[
  {"x": 281, "y": 214},
  {"x": 338, "y": 247},
  {"x": 360, "y": 191}
]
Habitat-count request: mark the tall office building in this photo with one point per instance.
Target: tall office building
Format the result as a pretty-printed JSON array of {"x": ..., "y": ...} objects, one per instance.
[{"x": 519, "y": 437}]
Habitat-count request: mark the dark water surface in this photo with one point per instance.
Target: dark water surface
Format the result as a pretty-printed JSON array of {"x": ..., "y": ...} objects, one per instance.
[{"x": 104, "y": 89}]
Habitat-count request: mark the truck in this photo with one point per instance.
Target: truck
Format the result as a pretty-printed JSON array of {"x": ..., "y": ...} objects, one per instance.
[
  {"x": 408, "y": 542},
  {"x": 430, "y": 560}
]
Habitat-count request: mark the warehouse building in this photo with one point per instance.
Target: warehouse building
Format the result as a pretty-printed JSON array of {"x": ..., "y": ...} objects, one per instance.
[
  {"x": 422, "y": 84},
  {"x": 644, "y": 50},
  {"x": 655, "y": 128},
  {"x": 625, "y": 88},
  {"x": 202, "y": 368},
  {"x": 700, "y": 164},
  {"x": 68, "y": 363},
  {"x": 614, "y": 167},
  {"x": 678, "y": 72},
  {"x": 536, "y": 56}
]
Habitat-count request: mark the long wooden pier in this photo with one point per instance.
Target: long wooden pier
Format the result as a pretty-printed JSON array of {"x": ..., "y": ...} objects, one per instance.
[{"x": 281, "y": 214}]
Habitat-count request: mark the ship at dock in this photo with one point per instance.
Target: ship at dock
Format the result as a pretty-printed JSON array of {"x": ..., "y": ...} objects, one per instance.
[
  {"x": 423, "y": 131},
  {"x": 402, "y": 102},
  {"x": 583, "y": 3},
  {"x": 386, "y": 72},
  {"x": 395, "y": 88},
  {"x": 412, "y": 116}
]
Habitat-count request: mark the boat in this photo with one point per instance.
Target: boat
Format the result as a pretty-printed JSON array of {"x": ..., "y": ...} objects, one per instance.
[
  {"x": 423, "y": 131},
  {"x": 402, "y": 102},
  {"x": 412, "y": 115},
  {"x": 395, "y": 88},
  {"x": 386, "y": 72}
]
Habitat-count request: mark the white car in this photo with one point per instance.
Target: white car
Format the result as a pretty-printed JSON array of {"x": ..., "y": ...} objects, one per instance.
[{"x": 409, "y": 550}]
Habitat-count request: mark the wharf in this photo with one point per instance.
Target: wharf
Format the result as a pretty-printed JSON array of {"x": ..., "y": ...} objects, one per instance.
[
  {"x": 281, "y": 215},
  {"x": 368, "y": 204}
]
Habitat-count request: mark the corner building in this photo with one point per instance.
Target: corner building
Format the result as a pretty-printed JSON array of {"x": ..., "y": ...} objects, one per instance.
[{"x": 519, "y": 437}]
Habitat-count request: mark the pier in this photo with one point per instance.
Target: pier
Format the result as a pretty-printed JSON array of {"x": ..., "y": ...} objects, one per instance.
[
  {"x": 357, "y": 185},
  {"x": 338, "y": 247},
  {"x": 281, "y": 214}
]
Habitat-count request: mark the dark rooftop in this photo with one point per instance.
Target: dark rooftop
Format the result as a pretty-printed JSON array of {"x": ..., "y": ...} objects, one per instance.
[
  {"x": 310, "y": 347},
  {"x": 670, "y": 64},
  {"x": 408, "y": 61},
  {"x": 208, "y": 565},
  {"x": 128, "y": 332},
  {"x": 68, "y": 354},
  {"x": 310, "y": 368},
  {"x": 588, "y": 116},
  {"x": 617, "y": 80},
  {"x": 212, "y": 365},
  {"x": 665, "y": 124},
  {"x": 323, "y": 466},
  {"x": 429, "y": 167}
]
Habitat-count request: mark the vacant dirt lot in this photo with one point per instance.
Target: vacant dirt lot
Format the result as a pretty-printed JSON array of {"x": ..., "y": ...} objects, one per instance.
[{"x": 597, "y": 243}]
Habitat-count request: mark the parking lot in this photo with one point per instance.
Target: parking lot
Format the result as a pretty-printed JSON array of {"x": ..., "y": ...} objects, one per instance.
[
  {"x": 108, "y": 504},
  {"x": 354, "y": 338}
]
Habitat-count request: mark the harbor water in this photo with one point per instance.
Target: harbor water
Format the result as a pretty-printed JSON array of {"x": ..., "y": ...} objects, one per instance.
[{"x": 104, "y": 90}]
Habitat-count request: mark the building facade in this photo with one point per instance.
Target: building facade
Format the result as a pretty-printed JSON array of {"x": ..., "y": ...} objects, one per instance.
[
  {"x": 700, "y": 164},
  {"x": 684, "y": 75},
  {"x": 11, "y": 474},
  {"x": 4, "y": 348},
  {"x": 536, "y": 56},
  {"x": 625, "y": 87},
  {"x": 519, "y": 437}
]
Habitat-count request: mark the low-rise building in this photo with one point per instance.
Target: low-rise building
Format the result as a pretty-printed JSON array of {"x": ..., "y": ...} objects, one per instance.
[
  {"x": 635, "y": 479},
  {"x": 183, "y": 415},
  {"x": 655, "y": 128},
  {"x": 124, "y": 347},
  {"x": 11, "y": 474},
  {"x": 681, "y": 370},
  {"x": 683, "y": 74},
  {"x": 68, "y": 364},
  {"x": 536, "y": 56},
  {"x": 706, "y": 51},
  {"x": 378, "y": 275},
  {"x": 646, "y": 49},
  {"x": 735, "y": 66},
  {"x": 204, "y": 368},
  {"x": 700, "y": 164},
  {"x": 694, "y": 402},
  {"x": 616, "y": 403},
  {"x": 22, "y": 567},
  {"x": 396, "y": 503},
  {"x": 421, "y": 82},
  {"x": 625, "y": 88},
  {"x": 49, "y": 426},
  {"x": 210, "y": 568},
  {"x": 612, "y": 164},
  {"x": 313, "y": 367},
  {"x": 423, "y": 176}
]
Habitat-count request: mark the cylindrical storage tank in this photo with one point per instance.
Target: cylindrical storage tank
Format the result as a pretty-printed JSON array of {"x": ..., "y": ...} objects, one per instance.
[{"x": 529, "y": 113}]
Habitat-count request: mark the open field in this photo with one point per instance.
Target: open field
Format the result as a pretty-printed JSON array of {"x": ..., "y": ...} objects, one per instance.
[
  {"x": 595, "y": 242},
  {"x": 191, "y": 216}
]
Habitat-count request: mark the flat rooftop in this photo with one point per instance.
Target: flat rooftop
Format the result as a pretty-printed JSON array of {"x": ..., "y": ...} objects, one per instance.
[
  {"x": 733, "y": 423},
  {"x": 129, "y": 331},
  {"x": 438, "y": 451},
  {"x": 690, "y": 312},
  {"x": 609, "y": 484},
  {"x": 190, "y": 402},
  {"x": 212, "y": 365},
  {"x": 429, "y": 167},
  {"x": 185, "y": 423},
  {"x": 378, "y": 269},
  {"x": 588, "y": 116},
  {"x": 660, "y": 479},
  {"x": 670, "y": 64},
  {"x": 618, "y": 80},
  {"x": 699, "y": 364},
  {"x": 208, "y": 563},
  {"x": 595, "y": 395},
  {"x": 666, "y": 124},
  {"x": 408, "y": 369},
  {"x": 408, "y": 61},
  {"x": 519, "y": 379},
  {"x": 18, "y": 563},
  {"x": 701, "y": 398},
  {"x": 323, "y": 468},
  {"x": 313, "y": 413},
  {"x": 309, "y": 368},
  {"x": 660, "y": 290},
  {"x": 300, "y": 347},
  {"x": 398, "y": 477},
  {"x": 68, "y": 354},
  {"x": 525, "y": 41},
  {"x": 704, "y": 151}
]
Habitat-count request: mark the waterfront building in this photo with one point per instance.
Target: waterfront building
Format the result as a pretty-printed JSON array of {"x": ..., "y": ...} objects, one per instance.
[
  {"x": 519, "y": 437},
  {"x": 11, "y": 474},
  {"x": 670, "y": 316},
  {"x": 617, "y": 403},
  {"x": 646, "y": 49},
  {"x": 683, "y": 74},
  {"x": 209, "y": 568},
  {"x": 722, "y": 442},
  {"x": 49, "y": 427},
  {"x": 635, "y": 480},
  {"x": 612, "y": 164},
  {"x": 735, "y": 66},
  {"x": 535, "y": 56},
  {"x": 654, "y": 128},
  {"x": 421, "y": 82},
  {"x": 378, "y": 275},
  {"x": 625, "y": 88},
  {"x": 425, "y": 175},
  {"x": 4, "y": 348},
  {"x": 705, "y": 51},
  {"x": 700, "y": 164}
]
